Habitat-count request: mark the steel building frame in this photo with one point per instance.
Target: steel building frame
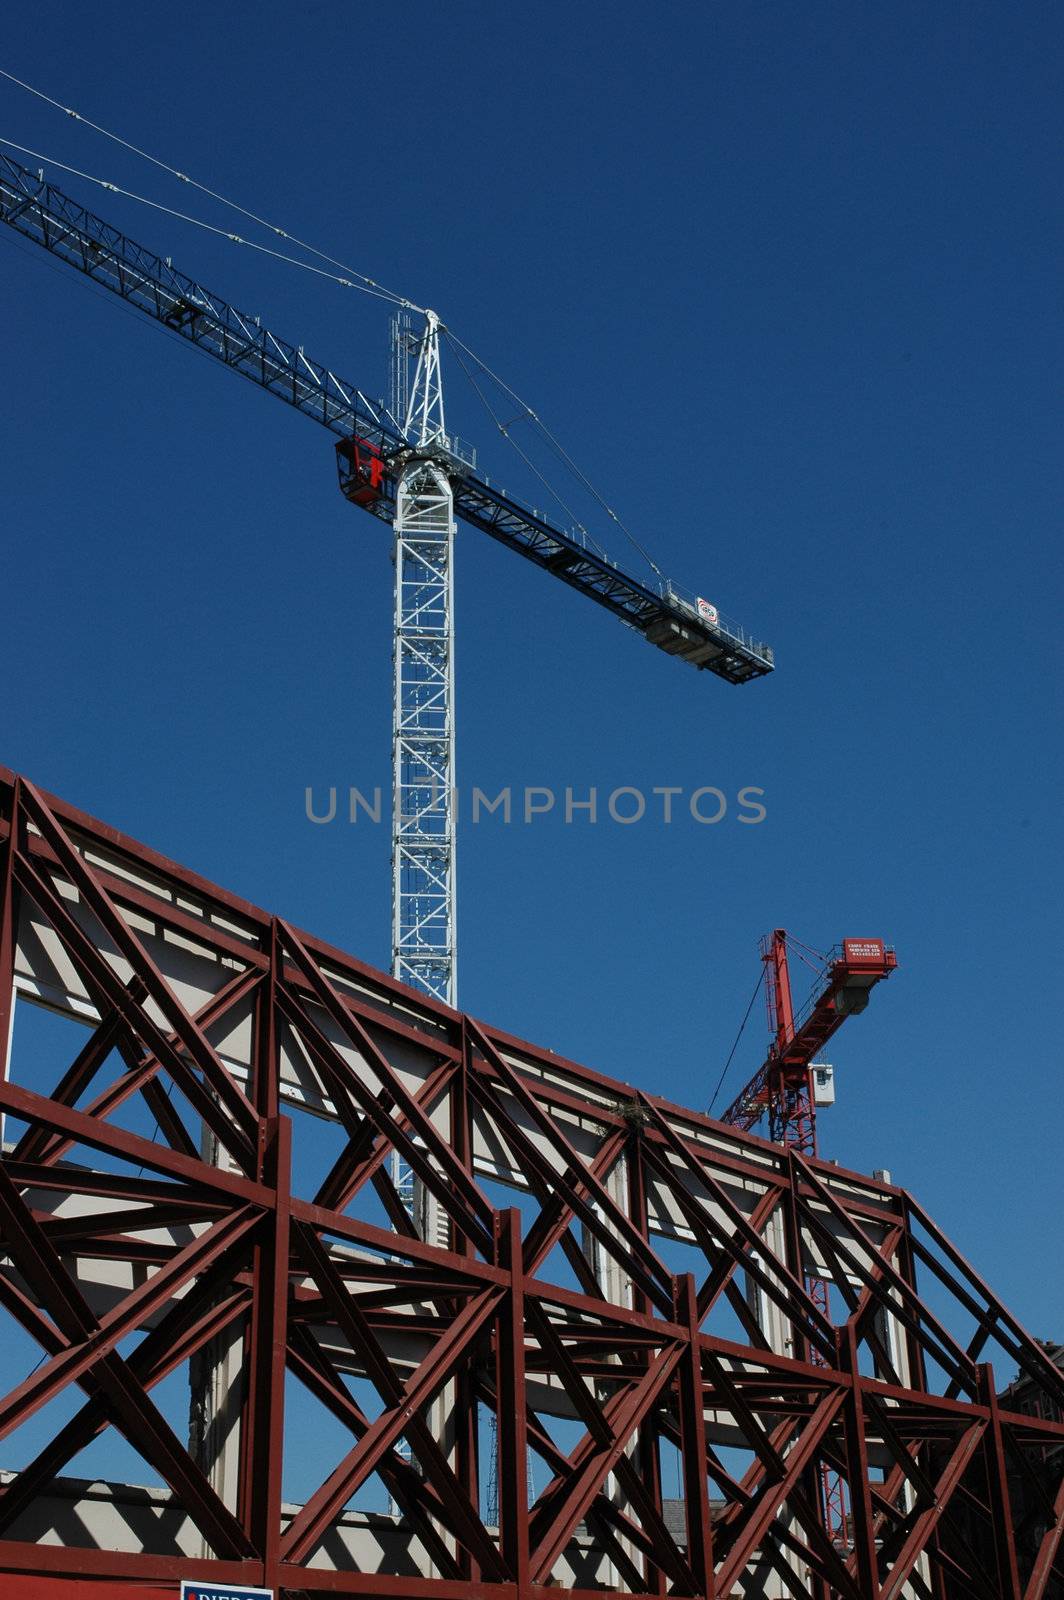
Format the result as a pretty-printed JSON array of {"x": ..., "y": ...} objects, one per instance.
[{"x": 948, "y": 1493}]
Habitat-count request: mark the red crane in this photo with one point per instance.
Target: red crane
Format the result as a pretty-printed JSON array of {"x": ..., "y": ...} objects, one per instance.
[{"x": 784, "y": 1090}]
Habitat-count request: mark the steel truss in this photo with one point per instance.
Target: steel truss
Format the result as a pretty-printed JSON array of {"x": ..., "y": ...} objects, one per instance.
[
  {"x": 424, "y": 888},
  {"x": 423, "y": 842},
  {"x": 127, "y": 1255}
]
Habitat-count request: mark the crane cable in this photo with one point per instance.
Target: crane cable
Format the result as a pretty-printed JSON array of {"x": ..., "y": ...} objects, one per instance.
[
  {"x": 504, "y": 429},
  {"x": 558, "y": 449},
  {"x": 197, "y": 222},
  {"x": 804, "y": 951},
  {"x": 370, "y": 285},
  {"x": 735, "y": 1046},
  {"x": 356, "y": 280}
]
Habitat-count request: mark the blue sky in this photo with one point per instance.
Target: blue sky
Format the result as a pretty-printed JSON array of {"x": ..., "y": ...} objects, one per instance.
[{"x": 785, "y": 280}]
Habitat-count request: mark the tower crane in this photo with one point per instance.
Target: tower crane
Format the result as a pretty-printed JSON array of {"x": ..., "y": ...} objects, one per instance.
[
  {"x": 409, "y": 472},
  {"x": 784, "y": 1090}
]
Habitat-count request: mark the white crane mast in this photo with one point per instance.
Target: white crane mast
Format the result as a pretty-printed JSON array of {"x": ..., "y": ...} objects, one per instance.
[
  {"x": 423, "y": 823},
  {"x": 423, "y": 774}
]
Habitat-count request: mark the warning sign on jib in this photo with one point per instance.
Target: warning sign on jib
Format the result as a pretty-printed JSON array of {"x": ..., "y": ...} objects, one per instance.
[
  {"x": 204, "y": 1589},
  {"x": 707, "y": 612}
]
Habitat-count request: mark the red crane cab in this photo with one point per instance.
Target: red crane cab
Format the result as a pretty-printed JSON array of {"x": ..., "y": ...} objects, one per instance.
[{"x": 361, "y": 469}]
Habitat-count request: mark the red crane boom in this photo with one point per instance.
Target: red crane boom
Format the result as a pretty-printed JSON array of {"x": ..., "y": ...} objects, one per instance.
[{"x": 782, "y": 1090}]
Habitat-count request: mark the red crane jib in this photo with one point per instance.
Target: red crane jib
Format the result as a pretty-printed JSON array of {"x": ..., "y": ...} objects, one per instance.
[
  {"x": 849, "y": 981},
  {"x": 781, "y": 1087}
]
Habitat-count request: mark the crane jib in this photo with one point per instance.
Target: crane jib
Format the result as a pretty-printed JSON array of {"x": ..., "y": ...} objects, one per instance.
[{"x": 370, "y": 442}]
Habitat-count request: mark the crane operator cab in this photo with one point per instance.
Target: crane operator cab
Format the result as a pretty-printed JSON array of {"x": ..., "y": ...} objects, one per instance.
[{"x": 361, "y": 469}]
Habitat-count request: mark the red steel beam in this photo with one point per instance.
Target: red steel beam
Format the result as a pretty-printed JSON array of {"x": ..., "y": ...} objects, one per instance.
[
  {"x": 511, "y": 1420},
  {"x": 916, "y": 1543},
  {"x": 190, "y": 1035},
  {"x": 695, "y": 1466}
]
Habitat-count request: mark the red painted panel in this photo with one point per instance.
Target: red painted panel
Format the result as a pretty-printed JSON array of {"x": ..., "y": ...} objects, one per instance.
[{"x": 38, "y": 1586}]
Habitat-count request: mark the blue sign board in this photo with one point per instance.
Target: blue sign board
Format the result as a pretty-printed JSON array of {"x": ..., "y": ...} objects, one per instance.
[{"x": 207, "y": 1589}]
